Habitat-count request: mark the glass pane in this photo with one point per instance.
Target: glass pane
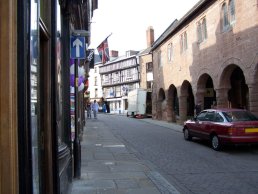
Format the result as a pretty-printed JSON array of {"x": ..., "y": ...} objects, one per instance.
[
  {"x": 34, "y": 77},
  {"x": 239, "y": 116}
]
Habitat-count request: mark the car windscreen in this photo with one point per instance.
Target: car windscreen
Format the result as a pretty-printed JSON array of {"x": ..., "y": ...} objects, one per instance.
[{"x": 233, "y": 116}]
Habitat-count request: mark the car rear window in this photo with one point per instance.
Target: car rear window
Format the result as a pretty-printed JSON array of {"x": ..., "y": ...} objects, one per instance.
[{"x": 233, "y": 116}]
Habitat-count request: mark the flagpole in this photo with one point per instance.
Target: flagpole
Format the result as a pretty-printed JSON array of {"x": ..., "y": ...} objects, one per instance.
[{"x": 105, "y": 38}]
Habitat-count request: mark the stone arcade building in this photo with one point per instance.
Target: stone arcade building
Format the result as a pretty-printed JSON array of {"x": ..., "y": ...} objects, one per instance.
[{"x": 208, "y": 56}]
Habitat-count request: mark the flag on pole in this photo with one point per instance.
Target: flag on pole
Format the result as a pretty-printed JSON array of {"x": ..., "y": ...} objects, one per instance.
[{"x": 104, "y": 51}]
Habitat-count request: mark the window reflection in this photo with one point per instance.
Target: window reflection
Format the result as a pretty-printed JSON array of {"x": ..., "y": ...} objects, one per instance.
[{"x": 34, "y": 90}]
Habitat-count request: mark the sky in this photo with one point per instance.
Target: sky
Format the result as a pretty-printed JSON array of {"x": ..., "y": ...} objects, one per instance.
[{"x": 128, "y": 20}]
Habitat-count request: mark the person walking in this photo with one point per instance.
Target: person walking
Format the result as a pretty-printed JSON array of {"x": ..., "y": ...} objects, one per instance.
[
  {"x": 104, "y": 108},
  {"x": 198, "y": 108},
  {"x": 95, "y": 108},
  {"x": 88, "y": 107}
]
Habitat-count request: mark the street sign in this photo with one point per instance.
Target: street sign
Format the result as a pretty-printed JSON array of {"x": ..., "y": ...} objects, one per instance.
[{"x": 77, "y": 47}]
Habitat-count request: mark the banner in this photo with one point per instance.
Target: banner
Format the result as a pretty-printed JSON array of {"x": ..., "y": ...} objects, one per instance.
[{"x": 91, "y": 58}]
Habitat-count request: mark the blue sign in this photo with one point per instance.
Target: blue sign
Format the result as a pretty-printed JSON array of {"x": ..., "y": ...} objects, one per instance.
[{"x": 77, "y": 47}]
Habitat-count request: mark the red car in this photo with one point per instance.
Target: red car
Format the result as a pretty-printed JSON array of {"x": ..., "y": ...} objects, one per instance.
[{"x": 223, "y": 126}]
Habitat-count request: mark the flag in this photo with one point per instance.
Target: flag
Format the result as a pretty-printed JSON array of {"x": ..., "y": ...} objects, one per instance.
[{"x": 103, "y": 51}]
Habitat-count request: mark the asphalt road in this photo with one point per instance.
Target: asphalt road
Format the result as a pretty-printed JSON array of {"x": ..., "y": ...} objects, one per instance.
[{"x": 191, "y": 167}]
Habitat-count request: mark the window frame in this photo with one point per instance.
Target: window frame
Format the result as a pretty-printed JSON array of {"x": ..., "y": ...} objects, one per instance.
[
  {"x": 232, "y": 8},
  {"x": 202, "y": 30},
  {"x": 228, "y": 15},
  {"x": 170, "y": 52},
  {"x": 183, "y": 42},
  {"x": 149, "y": 67}
]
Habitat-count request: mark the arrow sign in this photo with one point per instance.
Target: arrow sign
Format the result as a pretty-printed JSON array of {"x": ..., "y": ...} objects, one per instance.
[{"x": 77, "y": 45}]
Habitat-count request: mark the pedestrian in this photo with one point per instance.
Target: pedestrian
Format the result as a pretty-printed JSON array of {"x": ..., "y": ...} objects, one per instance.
[
  {"x": 198, "y": 108},
  {"x": 214, "y": 105},
  {"x": 108, "y": 108},
  {"x": 95, "y": 108},
  {"x": 104, "y": 108},
  {"x": 88, "y": 108}
]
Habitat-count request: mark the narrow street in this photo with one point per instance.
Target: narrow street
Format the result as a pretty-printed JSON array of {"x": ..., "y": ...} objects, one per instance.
[{"x": 191, "y": 167}]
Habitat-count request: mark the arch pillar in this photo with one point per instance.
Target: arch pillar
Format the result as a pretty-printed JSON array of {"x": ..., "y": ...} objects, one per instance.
[
  {"x": 199, "y": 97},
  {"x": 222, "y": 97},
  {"x": 183, "y": 108},
  {"x": 169, "y": 110},
  {"x": 253, "y": 98},
  {"x": 171, "y": 115}
]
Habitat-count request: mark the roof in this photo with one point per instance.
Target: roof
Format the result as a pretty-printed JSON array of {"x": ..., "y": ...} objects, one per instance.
[
  {"x": 118, "y": 59},
  {"x": 176, "y": 25},
  {"x": 145, "y": 51}
]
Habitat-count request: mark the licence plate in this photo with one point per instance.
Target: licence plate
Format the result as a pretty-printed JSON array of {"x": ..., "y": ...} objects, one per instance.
[{"x": 251, "y": 130}]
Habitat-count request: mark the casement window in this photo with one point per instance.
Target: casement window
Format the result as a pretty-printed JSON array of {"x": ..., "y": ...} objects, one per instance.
[
  {"x": 201, "y": 30},
  {"x": 116, "y": 78},
  {"x": 95, "y": 81},
  {"x": 170, "y": 52},
  {"x": 232, "y": 11},
  {"x": 118, "y": 91},
  {"x": 225, "y": 16},
  {"x": 228, "y": 14},
  {"x": 129, "y": 74},
  {"x": 149, "y": 84},
  {"x": 149, "y": 67},
  {"x": 183, "y": 42},
  {"x": 106, "y": 79},
  {"x": 96, "y": 93}
]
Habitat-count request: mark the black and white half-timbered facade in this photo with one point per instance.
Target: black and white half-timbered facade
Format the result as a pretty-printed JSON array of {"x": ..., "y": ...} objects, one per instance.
[{"x": 118, "y": 77}]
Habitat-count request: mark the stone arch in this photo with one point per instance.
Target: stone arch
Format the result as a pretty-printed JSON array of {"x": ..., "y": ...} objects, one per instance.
[
  {"x": 205, "y": 92},
  {"x": 172, "y": 104},
  {"x": 161, "y": 104},
  {"x": 186, "y": 101},
  {"x": 233, "y": 92}
]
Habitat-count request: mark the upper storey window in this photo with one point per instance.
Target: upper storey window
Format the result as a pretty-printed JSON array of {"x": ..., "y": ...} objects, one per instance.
[
  {"x": 170, "y": 52},
  {"x": 232, "y": 11},
  {"x": 202, "y": 30},
  {"x": 149, "y": 67},
  {"x": 228, "y": 14},
  {"x": 183, "y": 42}
]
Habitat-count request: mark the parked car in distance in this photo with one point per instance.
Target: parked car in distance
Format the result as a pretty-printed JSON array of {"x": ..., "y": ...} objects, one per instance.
[{"x": 223, "y": 126}]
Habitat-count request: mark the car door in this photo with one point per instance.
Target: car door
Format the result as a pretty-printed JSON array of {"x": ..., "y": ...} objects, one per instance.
[
  {"x": 208, "y": 124},
  {"x": 197, "y": 125}
]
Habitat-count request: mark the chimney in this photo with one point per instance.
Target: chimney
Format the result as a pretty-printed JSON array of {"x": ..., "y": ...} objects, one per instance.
[
  {"x": 113, "y": 53},
  {"x": 150, "y": 36}
]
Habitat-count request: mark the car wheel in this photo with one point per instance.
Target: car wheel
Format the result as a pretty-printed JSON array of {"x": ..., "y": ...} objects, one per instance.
[
  {"x": 215, "y": 143},
  {"x": 187, "y": 136}
]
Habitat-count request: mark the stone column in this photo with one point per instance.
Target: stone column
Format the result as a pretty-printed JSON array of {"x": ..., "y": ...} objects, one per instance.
[
  {"x": 199, "y": 97},
  {"x": 183, "y": 108},
  {"x": 253, "y": 98},
  {"x": 169, "y": 108},
  {"x": 222, "y": 97}
]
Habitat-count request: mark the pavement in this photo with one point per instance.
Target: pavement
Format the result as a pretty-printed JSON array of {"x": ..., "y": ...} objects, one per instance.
[{"x": 108, "y": 166}]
